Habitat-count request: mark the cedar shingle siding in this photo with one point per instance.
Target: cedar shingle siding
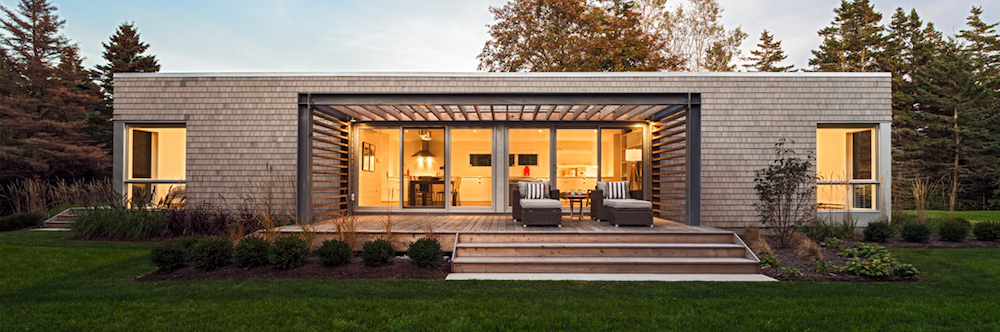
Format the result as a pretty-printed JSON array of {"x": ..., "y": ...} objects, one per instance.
[{"x": 238, "y": 125}]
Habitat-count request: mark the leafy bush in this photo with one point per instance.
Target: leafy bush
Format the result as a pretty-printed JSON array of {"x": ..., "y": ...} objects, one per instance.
[
  {"x": 832, "y": 242},
  {"x": 986, "y": 230},
  {"x": 251, "y": 251},
  {"x": 785, "y": 192},
  {"x": 425, "y": 252},
  {"x": 878, "y": 231},
  {"x": 167, "y": 256},
  {"x": 211, "y": 252},
  {"x": 875, "y": 261},
  {"x": 377, "y": 251},
  {"x": 334, "y": 252},
  {"x": 288, "y": 252},
  {"x": 21, "y": 220},
  {"x": 954, "y": 230},
  {"x": 789, "y": 272},
  {"x": 914, "y": 232},
  {"x": 768, "y": 260},
  {"x": 118, "y": 223}
]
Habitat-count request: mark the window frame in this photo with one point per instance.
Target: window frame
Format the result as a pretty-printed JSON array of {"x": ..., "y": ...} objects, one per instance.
[
  {"x": 126, "y": 175},
  {"x": 850, "y": 182}
]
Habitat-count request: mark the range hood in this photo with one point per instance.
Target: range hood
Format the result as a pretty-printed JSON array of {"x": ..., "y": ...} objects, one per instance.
[
  {"x": 425, "y": 140},
  {"x": 424, "y": 151}
]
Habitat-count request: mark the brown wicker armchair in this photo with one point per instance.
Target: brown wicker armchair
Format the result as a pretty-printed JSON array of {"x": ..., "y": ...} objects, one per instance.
[{"x": 547, "y": 211}]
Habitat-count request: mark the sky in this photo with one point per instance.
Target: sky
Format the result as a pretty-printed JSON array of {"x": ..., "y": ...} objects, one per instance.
[{"x": 400, "y": 35}]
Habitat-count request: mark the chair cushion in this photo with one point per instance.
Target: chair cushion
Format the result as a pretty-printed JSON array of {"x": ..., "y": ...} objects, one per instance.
[
  {"x": 540, "y": 204},
  {"x": 522, "y": 187},
  {"x": 603, "y": 187},
  {"x": 626, "y": 204},
  {"x": 617, "y": 190}
]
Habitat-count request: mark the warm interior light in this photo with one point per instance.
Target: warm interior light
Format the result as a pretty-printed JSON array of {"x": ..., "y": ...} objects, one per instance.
[{"x": 633, "y": 154}]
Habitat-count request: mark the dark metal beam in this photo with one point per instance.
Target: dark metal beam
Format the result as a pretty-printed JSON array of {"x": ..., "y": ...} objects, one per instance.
[
  {"x": 503, "y": 99},
  {"x": 692, "y": 210},
  {"x": 303, "y": 183}
]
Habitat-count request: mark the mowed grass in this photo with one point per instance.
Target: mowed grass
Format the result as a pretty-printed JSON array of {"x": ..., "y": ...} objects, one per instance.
[
  {"x": 47, "y": 283},
  {"x": 973, "y": 216}
]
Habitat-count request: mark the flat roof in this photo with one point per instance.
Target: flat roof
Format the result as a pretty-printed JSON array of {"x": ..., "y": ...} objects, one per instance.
[{"x": 495, "y": 74}]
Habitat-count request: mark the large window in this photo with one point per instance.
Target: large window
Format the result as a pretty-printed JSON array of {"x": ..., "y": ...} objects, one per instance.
[
  {"x": 471, "y": 167},
  {"x": 379, "y": 175},
  {"x": 576, "y": 160},
  {"x": 156, "y": 165},
  {"x": 845, "y": 167},
  {"x": 529, "y": 157}
]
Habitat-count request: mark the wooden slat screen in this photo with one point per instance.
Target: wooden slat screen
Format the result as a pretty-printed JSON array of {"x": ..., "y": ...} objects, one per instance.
[
  {"x": 669, "y": 171},
  {"x": 330, "y": 168}
]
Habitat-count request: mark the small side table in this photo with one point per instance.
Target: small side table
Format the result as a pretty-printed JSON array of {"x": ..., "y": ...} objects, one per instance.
[{"x": 573, "y": 200}]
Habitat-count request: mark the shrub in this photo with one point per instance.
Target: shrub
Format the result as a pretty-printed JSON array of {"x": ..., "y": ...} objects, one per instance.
[
  {"x": 768, "y": 260},
  {"x": 288, "y": 252},
  {"x": 954, "y": 230},
  {"x": 789, "y": 272},
  {"x": 334, "y": 252},
  {"x": 832, "y": 242},
  {"x": 211, "y": 252},
  {"x": 167, "y": 256},
  {"x": 986, "y": 230},
  {"x": 187, "y": 242},
  {"x": 425, "y": 252},
  {"x": 251, "y": 251},
  {"x": 878, "y": 231},
  {"x": 914, "y": 232},
  {"x": 118, "y": 223},
  {"x": 377, "y": 251},
  {"x": 785, "y": 192},
  {"x": 819, "y": 228},
  {"x": 808, "y": 250},
  {"x": 874, "y": 260},
  {"x": 21, "y": 220}
]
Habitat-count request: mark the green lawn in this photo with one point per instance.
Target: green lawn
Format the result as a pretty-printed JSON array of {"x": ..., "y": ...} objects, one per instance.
[
  {"x": 51, "y": 284},
  {"x": 973, "y": 216}
]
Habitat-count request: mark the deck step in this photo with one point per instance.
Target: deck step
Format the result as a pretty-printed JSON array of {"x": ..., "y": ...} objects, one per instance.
[
  {"x": 674, "y": 265},
  {"x": 63, "y": 219},
  {"x": 609, "y": 237},
  {"x": 520, "y": 249}
]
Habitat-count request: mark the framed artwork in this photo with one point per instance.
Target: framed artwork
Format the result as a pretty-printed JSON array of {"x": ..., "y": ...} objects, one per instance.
[
  {"x": 510, "y": 160},
  {"x": 367, "y": 157},
  {"x": 480, "y": 160},
  {"x": 527, "y": 159}
]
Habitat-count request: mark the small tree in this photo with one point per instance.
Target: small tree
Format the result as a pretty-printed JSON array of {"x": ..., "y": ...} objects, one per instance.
[{"x": 785, "y": 190}]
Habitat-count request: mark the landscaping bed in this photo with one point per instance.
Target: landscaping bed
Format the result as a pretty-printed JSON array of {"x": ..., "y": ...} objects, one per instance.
[
  {"x": 398, "y": 268},
  {"x": 808, "y": 268}
]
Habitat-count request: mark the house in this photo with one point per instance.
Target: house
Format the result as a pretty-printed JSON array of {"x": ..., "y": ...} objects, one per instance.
[{"x": 328, "y": 143}]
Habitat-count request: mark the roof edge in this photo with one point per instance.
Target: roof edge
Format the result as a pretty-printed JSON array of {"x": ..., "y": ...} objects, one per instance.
[{"x": 493, "y": 74}]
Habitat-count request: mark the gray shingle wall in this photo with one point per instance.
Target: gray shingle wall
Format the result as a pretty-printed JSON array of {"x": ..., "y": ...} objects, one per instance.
[{"x": 242, "y": 130}]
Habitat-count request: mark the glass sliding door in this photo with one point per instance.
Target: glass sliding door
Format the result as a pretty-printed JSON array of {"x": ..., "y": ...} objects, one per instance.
[
  {"x": 471, "y": 167},
  {"x": 423, "y": 167},
  {"x": 528, "y": 157},
  {"x": 621, "y": 156},
  {"x": 576, "y": 160},
  {"x": 379, "y": 176}
]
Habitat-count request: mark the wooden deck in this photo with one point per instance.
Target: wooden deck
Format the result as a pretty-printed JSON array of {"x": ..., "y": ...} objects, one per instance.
[{"x": 496, "y": 223}]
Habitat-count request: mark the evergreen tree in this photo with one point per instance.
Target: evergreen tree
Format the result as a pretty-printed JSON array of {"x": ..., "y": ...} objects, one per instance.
[
  {"x": 44, "y": 105},
  {"x": 124, "y": 54},
  {"x": 983, "y": 44},
  {"x": 854, "y": 42},
  {"x": 768, "y": 55},
  {"x": 949, "y": 111}
]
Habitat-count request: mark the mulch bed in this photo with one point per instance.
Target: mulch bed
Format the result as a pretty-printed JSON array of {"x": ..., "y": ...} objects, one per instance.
[
  {"x": 789, "y": 259},
  {"x": 398, "y": 268}
]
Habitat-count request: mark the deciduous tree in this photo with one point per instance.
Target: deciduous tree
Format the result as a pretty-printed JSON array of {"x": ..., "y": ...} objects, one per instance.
[
  {"x": 571, "y": 35},
  {"x": 695, "y": 34}
]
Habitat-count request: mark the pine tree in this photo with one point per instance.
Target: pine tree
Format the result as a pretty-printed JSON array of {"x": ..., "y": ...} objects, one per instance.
[
  {"x": 124, "y": 54},
  {"x": 768, "y": 55},
  {"x": 43, "y": 110},
  {"x": 854, "y": 42},
  {"x": 949, "y": 110},
  {"x": 983, "y": 44}
]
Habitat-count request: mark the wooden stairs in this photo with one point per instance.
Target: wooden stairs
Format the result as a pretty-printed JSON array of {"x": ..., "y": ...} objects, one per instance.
[
  {"x": 710, "y": 252},
  {"x": 63, "y": 219}
]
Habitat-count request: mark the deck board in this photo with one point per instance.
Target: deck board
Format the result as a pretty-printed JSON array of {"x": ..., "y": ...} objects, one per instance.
[{"x": 494, "y": 223}]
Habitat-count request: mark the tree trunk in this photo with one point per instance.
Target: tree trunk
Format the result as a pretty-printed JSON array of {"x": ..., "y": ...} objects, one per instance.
[{"x": 954, "y": 170}]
